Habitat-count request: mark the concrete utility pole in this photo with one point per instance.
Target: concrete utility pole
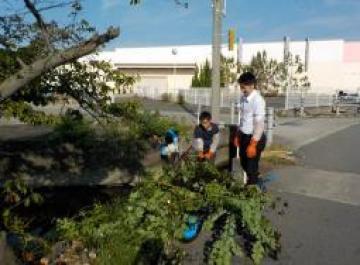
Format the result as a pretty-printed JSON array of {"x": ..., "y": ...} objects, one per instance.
[
  {"x": 216, "y": 51},
  {"x": 286, "y": 50},
  {"x": 288, "y": 69},
  {"x": 240, "y": 51},
  {"x": 307, "y": 54}
]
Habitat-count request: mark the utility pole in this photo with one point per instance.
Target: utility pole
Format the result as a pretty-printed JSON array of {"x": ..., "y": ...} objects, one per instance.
[
  {"x": 287, "y": 69},
  {"x": 218, "y": 12},
  {"x": 307, "y": 54}
]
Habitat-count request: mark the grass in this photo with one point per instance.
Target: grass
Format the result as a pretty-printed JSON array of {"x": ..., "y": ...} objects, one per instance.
[{"x": 278, "y": 155}]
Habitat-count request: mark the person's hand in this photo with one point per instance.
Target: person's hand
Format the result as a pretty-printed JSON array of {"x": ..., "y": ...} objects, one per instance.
[
  {"x": 201, "y": 155},
  {"x": 209, "y": 155},
  {"x": 251, "y": 149}
]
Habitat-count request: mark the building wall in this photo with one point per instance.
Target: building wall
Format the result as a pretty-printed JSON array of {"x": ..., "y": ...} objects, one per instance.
[
  {"x": 352, "y": 52},
  {"x": 333, "y": 64},
  {"x": 351, "y": 76},
  {"x": 165, "y": 79}
]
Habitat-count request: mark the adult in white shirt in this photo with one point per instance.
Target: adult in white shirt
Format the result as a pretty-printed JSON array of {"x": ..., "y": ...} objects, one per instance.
[{"x": 251, "y": 137}]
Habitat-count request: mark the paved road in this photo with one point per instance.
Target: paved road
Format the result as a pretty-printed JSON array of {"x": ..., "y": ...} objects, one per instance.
[
  {"x": 321, "y": 226},
  {"x": 297, "y": 132},
  {"x": 337, "y": 152},
  {"x": 318, "y": 232}
]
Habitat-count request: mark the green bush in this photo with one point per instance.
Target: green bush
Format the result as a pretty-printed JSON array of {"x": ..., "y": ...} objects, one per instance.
[
  {"x": 15, "y": 193},
  {"x": 148, "y": 224},
  {"x": 73, "y": 130},
  {"x": 144, "y": 123}
]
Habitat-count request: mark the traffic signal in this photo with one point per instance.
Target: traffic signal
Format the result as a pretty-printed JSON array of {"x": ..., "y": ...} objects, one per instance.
[{"x": 231, "y": 39}]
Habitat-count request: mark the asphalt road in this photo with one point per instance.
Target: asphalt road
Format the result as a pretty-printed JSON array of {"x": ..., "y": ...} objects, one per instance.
[
  {"x": 321, "y": 225},
  {"x": 337, "y": 152},
  {"x": 318, "y": 232}
]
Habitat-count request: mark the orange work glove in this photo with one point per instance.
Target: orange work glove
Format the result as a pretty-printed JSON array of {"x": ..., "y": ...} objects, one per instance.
[
  {"x": 251, "y": 149},
  {"x": 209, "y": 155},
  {"x": 201, "y": 155}
]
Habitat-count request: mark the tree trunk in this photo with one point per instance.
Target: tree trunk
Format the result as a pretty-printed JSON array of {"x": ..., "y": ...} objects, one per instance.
[{"x": 28, "y": 73}]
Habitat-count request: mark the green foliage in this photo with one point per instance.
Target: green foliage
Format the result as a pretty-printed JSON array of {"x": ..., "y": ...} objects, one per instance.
[
  {"x": 143, "y": 123},
  {"x": 127, "y": 110},
  {"x": 202, "y": 76},
  {"x": 73, "y": 130},
  {"x": 225, "y": 247},
  {"x": 273, "y": 76},
  {"x": 15, "y": 193},
  {"x": 295, "y": 74},
  {"x": 124, "y": 81},
  {"x": 148, "y": 224},
  {"x": 195, "y": 82},
  {"x": 25, "y": 113},
  {"x": 87, "y": 83},
  {"x": 227, "y": 76},
  {"x": 270, "y": 74}
]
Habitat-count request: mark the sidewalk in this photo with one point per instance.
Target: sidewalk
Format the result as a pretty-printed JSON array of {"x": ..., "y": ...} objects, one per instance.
[
  {"x": 317, "y": 232},
  {"x": 321, "y": 224}
]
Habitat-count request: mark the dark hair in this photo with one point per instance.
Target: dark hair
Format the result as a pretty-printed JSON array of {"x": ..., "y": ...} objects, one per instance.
[
  {"x": 205, "y": 115},
  {"x": 247, "y": 78}
]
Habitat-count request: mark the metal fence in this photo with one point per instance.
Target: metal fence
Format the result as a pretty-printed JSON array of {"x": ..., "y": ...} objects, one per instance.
[
  {"x": 201, "y": 99},
  {"x": 307, "y": 100},
  {"x": 153, "y": 93},
  {"x": 195, "y": 96},
  {"x": 228, "y": 96}
]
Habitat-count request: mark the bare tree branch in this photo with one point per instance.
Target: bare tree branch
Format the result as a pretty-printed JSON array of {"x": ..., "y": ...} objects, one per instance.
[
  {"x": 45, "y": 8},
  {"x": 18, "y": 80},
  {"x": 21, "y": 62},
  {"x": 41, "y": 23}
]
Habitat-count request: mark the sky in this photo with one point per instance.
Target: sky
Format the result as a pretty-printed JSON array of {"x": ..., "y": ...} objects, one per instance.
[{"x": 162, "y": 22}]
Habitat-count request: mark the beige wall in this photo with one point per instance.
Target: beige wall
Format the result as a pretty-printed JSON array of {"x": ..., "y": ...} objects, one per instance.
[
  {"x": 351, "y": 75},
  {"x": 329, "y": 77},
  {"x": 163, "y": 78}
]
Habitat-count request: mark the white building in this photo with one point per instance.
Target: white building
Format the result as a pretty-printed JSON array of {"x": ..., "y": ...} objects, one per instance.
[{"x": 333, "y": 64}]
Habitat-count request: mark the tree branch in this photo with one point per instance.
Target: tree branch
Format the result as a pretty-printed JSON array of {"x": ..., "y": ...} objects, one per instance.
[
  {"x": 41, "y": 23},
  {"x": 21, "y": 62},
  {"x": 25, "y": 75}
]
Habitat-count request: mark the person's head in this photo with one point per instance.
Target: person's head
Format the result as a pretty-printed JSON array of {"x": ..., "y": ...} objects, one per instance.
[
  {"x": 205, "y": 119},
  {"x": 247, "y": 82}
]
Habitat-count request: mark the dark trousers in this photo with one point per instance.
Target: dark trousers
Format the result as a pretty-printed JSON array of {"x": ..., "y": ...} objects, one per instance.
[{"x": 251, "y": 165}]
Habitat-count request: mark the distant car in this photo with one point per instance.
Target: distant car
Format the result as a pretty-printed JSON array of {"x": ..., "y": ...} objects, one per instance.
[{"x": 348, "y": 98}]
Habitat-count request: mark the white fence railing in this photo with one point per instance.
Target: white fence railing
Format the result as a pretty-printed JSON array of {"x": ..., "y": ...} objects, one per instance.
[
  {"x": 193, "y": 96},
  {"x": 202, "y": 96},
  {"x": 306, "y": 100},
  {"x": 155, "y": 93}
]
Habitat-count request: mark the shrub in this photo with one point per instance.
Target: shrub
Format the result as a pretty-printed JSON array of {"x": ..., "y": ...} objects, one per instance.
[{"x": 149, "y": 223}]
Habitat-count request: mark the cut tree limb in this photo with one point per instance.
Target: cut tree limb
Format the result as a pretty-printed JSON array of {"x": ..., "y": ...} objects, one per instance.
[{"x": 25, "y": 75}]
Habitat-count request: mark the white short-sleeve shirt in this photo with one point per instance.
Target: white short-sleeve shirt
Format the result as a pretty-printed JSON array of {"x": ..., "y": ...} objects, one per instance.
[{"x": 252, "y": 109}]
